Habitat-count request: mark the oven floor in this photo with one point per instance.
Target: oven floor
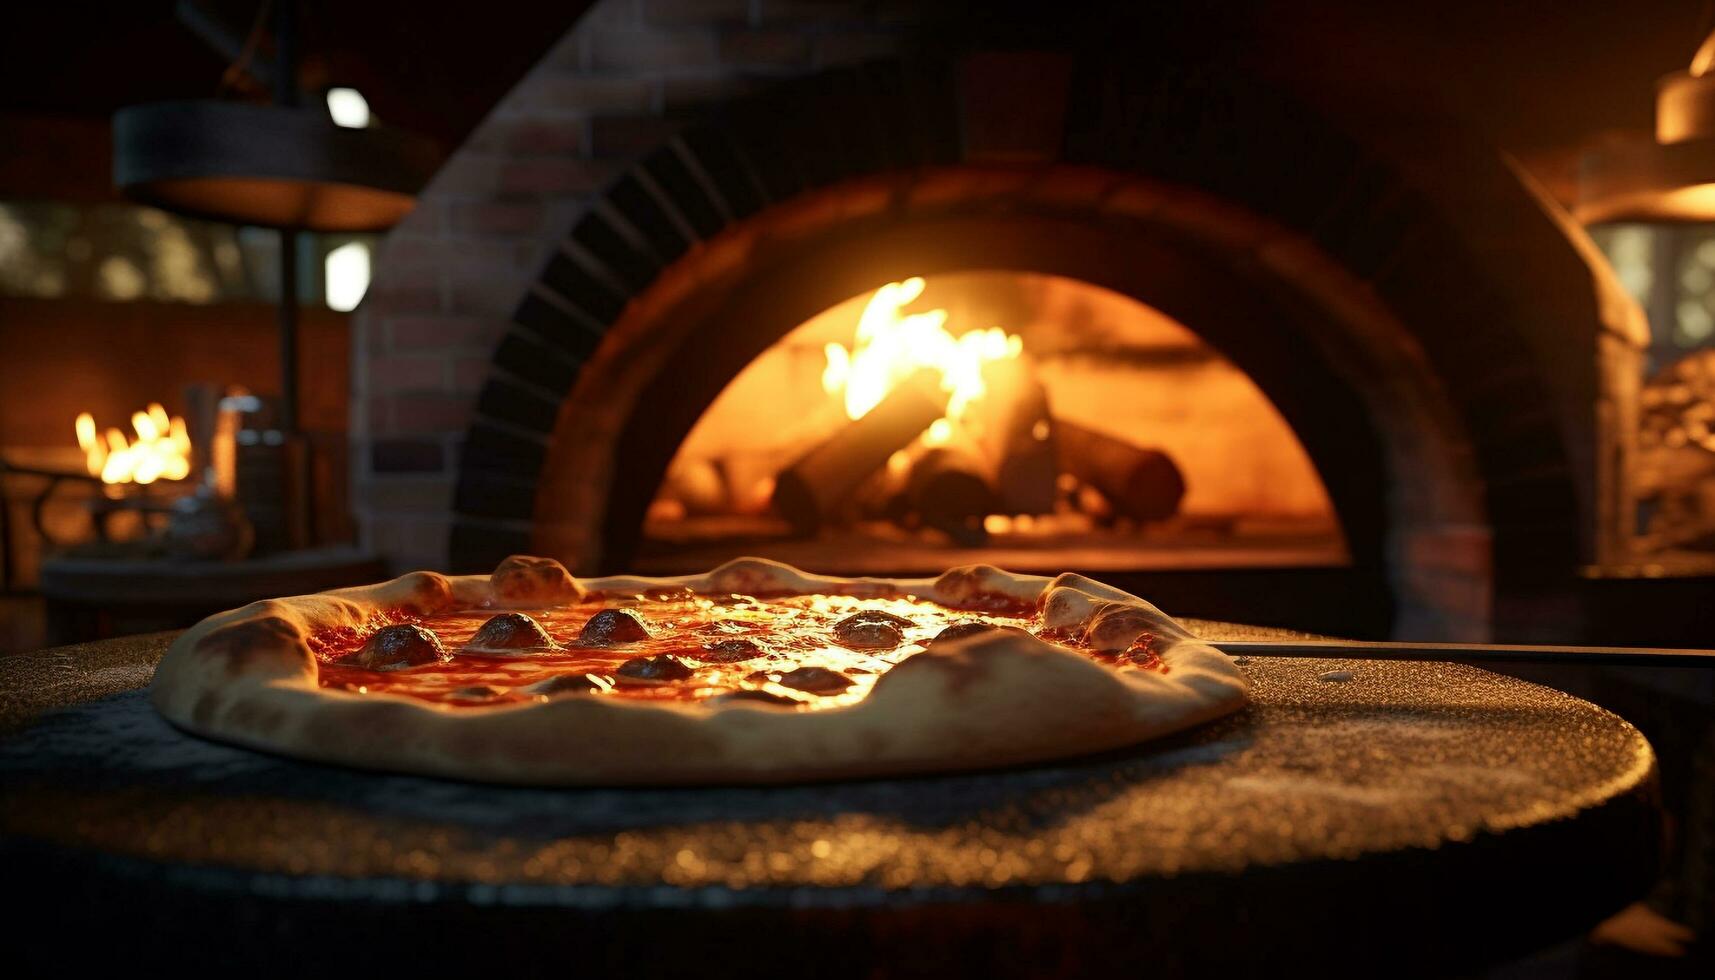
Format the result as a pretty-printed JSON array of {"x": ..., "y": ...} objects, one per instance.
[{"x": 880, "y": 548}]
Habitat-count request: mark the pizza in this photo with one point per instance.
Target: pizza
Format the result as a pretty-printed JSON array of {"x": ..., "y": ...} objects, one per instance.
[{"x": 756, "y": 672}]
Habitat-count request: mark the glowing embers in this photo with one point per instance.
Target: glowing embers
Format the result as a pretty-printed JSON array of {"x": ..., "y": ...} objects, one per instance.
[{"x": 162, "y": 450}]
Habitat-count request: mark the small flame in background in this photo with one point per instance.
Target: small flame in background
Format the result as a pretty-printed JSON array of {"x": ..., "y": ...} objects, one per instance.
[
  {"x": 892, "y": 346},
  {"x": 162, "y": 450}
]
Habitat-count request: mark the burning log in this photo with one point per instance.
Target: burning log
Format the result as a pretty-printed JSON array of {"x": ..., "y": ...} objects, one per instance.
[
  {"x": 699, "y": 486},
  {"x": 881, "y": 495},
  {"x": 813, "y": 487},
  {"x": 1012, "y": 425},
  {"x": 951, "y": 490},
  {"x": 1144, "y": 484},
  {"x": 1087, "y": 500}
]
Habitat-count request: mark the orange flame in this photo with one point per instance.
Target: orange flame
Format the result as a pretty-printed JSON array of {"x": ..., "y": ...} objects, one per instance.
[
  {"x": 892, "y": 346},
  {"x": 162, "y": 450}
]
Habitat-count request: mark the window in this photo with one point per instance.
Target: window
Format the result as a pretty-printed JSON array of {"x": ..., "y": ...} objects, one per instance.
[
  {"x": 1670, "y": 271},
  {"x": 126, "y": 253}
]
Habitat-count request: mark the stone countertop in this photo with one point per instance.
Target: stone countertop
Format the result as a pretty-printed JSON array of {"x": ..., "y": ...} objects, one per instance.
[{"x": 1333, "y": 818}]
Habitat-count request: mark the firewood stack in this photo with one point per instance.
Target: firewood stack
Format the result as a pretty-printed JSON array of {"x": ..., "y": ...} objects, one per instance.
[{"x": 1007, "y": 456}]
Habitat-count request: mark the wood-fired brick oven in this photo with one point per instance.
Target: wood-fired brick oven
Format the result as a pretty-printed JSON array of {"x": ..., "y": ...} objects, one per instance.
[{"x": 1435, "y": 333}]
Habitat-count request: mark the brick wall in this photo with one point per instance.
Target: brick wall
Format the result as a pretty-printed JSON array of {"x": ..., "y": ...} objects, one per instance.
[{"x": 449, "y": 277}]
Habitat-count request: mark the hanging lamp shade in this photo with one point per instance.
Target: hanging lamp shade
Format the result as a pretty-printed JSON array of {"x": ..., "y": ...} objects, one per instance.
[
  {"x": 270, "y": 165},
  {"x": 1669, "y": 178}
]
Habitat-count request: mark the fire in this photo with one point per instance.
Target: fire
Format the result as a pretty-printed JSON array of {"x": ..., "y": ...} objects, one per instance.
[
  {"x": 162, "y": 450},
  {"x": 892, "y": 346}
]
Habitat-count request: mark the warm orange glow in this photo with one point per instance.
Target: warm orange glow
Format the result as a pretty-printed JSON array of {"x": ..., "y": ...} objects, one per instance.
[
  {"x": 86, "y": 442},
  {"x": 892, "y": 346},
  {"x": 1242, "y": 464},
  {"x": 1704, "y": 59},
  {"x": 940, "y": 433},
  {"x": 162, "y": 450}
]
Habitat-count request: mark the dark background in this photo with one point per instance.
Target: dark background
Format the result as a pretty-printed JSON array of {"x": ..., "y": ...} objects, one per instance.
[{"x": 1539, "y": 77}]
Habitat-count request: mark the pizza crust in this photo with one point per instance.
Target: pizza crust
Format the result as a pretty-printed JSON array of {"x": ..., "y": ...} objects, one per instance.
[{"x": 995, "y": 698}]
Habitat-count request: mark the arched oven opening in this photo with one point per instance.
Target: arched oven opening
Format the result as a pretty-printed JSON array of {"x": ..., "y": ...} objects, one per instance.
[
  {"x": 1036, "y": 422},
  {"x": 1327, "y": 406}
]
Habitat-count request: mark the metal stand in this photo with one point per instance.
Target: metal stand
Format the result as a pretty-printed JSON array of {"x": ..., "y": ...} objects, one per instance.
[{"x": 299, "y": 517}]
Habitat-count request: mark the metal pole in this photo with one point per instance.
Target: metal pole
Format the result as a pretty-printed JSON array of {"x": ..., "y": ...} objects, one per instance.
[
  {"x": 286, "y": 52},
  {"x": 286, "y": 94},
  {"x": 287, "y": 317},
  {"x": 1470, "y": 653},
  {"x": 298, "y": 512}
]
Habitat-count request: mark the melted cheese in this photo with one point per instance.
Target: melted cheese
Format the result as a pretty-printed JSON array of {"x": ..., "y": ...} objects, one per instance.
[{"x": 791, "y": 632}]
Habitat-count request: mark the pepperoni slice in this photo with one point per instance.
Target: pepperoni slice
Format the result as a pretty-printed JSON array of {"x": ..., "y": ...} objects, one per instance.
[
  {"x": 613, "y": 626},
  {"x": 816, "y": 680},
  {"x": 564, "y": 684},
  {"x": 731, "y": 651},
  {"x": 665, "y": 667},
  {"x": 399, "y": 646},
  {"x": 511, "y": 631},
  {"x": 871, "y": 630}
]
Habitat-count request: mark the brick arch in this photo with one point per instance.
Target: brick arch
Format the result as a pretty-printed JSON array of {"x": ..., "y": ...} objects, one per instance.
[
  {"x": 1334, "y": 228},
  {"x": 680, "y": 342}
]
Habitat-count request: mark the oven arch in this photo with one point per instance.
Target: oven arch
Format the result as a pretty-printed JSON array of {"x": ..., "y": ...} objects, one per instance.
[{"x": 1338, "y": 235}]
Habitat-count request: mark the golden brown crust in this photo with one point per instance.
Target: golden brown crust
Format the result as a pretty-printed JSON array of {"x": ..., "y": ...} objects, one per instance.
[
  {"x": 996, "y": 697},
  {"x": 524, "y": 580}
]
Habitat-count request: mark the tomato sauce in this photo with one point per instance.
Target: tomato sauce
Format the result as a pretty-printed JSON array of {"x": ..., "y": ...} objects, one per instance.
[{"x": 788, "y": 632}]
